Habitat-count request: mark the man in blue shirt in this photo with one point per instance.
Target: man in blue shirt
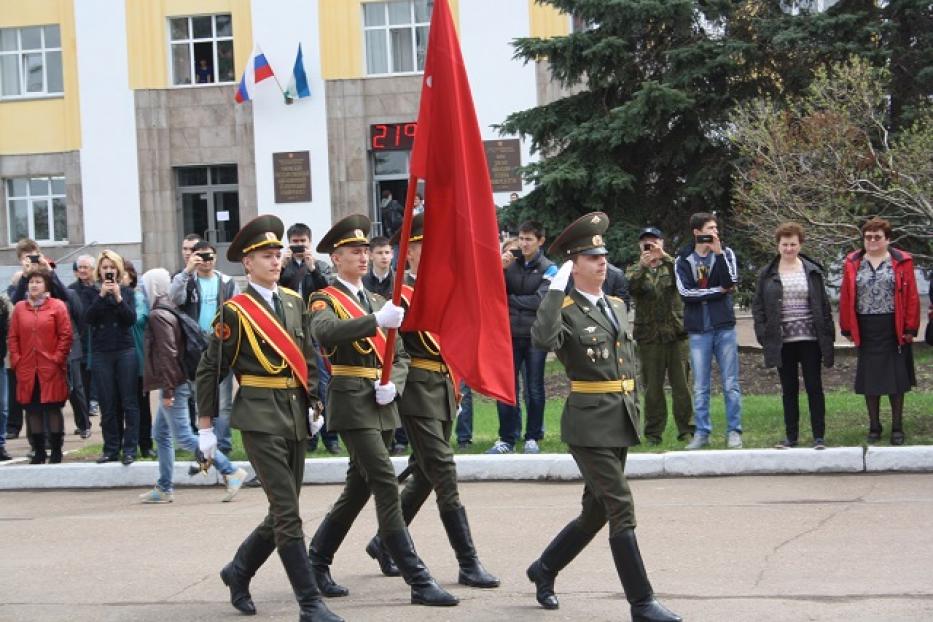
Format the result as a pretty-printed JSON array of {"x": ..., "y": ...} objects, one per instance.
[{"x": 707, "y": 273}]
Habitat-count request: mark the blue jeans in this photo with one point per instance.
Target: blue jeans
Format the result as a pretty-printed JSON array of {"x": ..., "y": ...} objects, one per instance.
[
  {"x": 173, "y": 422},
  {"x": 724, "y": 346},
  {"x": 465, "y": 418},
  {"x": 529, "y": 361},
  {"x": 224, "y": 408},
  {"x": 4, "y": 407},
  {"x": 116, "y": 375}
]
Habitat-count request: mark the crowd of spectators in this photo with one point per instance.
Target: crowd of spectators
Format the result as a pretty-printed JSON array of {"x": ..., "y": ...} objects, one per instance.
[{"x": 105, "y": 341}]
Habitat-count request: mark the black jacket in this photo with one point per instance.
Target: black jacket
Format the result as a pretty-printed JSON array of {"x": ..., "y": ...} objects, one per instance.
[
  {"x": 723, "y": 275},
  {"x": 616, "y": 284},
  {"x": 111, "y": 323},
  {"x": 526, "y": 285},
  {"x": 383, "y": 287},
  {"x": 766, "y": 309},
  {"x": 300, "y": 278},
  {"x": 86, "y": 295}
]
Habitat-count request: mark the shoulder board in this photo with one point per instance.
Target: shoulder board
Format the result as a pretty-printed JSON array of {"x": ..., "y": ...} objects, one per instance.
[
  {"x": 377, "y": 297},
  {"x": 567, "y": 302},
  {"x": 290, "y": 292},
  {"x": 616, "y": 298}
]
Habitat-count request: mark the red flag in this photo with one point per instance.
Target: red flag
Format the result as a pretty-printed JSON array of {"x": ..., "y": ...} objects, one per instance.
[{"x": 460, "y": 293}]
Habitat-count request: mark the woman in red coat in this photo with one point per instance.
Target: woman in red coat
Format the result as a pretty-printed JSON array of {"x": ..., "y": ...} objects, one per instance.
[
  {"x": 40, "y": 339},
  {"x": 879, "y": 311}
]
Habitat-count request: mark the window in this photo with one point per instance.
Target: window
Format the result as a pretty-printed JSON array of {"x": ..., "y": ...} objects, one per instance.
[
  {"x": 30, "y": 62},
  {"x": 396, "y": 35},
  {"x": 201, "y": 49},
  {"x": 36, "y": 209}
]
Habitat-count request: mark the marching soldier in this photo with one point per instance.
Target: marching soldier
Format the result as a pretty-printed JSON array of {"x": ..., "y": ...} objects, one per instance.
[
  {"x": 428, "y": 408},
  {"x": 348, "y": 322},
  {"x": 262, "y": 336},
  {"x": 589, "y": 334}
]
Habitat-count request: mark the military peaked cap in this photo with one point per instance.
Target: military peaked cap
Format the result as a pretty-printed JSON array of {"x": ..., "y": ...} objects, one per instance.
[
  {"x": 264, "y": 231},
  {"x": 350, "y": 231},
  {"x": 584, "y": 236}
]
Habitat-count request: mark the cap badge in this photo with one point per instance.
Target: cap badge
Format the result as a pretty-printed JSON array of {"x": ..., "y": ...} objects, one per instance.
[
  {"x": 358, "y": 233},
  {"x": 596, "y": 219},
  {"x": 597, "y": 239},
  {"x": 271, "y": 236}
]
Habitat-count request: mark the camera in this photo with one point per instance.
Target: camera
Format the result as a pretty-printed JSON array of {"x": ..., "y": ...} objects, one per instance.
[
  {"x": 516, "y": 253},
  {"x": 647, "y": 246},
  {"x": 205, "y": 256},
  {"x": 110, "y": 277},
  {"x": 704, "y": 238},
  {"x": 296, "y": 249},
  {"x": 34, "y": 258}
]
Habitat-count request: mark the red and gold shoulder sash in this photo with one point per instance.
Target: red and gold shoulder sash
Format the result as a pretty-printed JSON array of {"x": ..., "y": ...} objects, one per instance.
[
  {"x": 349, "y": 306},
  {"x": 270, "y": 329}
]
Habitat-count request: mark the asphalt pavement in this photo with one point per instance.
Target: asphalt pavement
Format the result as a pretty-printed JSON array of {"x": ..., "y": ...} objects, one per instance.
[{"x": 765, "y": 548}]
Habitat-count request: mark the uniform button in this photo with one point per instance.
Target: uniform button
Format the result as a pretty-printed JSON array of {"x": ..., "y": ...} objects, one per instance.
[
  {"x": 293, "y": 397},
  {"x": 621, "y": 361}
]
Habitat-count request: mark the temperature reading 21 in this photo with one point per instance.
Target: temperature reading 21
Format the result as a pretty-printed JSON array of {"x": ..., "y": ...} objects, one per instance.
[{"x": 392, "y": 136}]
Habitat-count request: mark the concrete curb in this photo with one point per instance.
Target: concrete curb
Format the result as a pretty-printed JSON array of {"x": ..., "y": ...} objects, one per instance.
[{"x": 552, "y": 467}]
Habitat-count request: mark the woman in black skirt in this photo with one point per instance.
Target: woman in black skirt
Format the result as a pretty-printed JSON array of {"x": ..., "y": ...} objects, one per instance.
[{"x": 879, "y": 310}]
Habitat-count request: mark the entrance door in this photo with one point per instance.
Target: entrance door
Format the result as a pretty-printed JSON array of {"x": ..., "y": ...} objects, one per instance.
[{"x": 209, "y": 203}]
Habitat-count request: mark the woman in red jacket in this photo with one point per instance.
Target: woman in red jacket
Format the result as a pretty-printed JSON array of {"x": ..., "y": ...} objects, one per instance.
[
  {"x": 879, "y": 310},
  {"x": 39, "y": 340}
]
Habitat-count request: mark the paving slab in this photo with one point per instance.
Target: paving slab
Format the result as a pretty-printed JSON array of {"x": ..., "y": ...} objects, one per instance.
[{"x": 771, "y": 548}]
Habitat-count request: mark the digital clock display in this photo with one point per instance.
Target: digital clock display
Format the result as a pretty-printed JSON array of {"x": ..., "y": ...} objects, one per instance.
[{"x": 392, "y": 136}]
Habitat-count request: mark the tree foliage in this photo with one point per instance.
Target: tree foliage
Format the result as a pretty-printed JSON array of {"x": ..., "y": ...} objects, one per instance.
[{"x": 828, "y": 160}]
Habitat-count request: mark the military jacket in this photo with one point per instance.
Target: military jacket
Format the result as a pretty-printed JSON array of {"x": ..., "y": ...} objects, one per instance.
[
  {"x": 659, "y": 309},
  {"x": 234, "y": 346},
  {"x": 591, "y": 349},
  {"x": 351, "y": 401},
  {"x": 427, "y": 394}
]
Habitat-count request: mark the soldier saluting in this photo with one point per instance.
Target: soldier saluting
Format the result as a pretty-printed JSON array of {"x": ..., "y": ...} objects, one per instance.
[
  {"x": 589, "y": 333},
  {"x": 262, "y": 336},
  {"x": 348, "y": 321},
  {"x": 428, "y": 407}
]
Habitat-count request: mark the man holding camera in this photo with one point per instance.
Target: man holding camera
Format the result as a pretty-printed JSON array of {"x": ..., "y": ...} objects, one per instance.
[
  {"x": 199, "y": 291},
  {"x": 707, "y": 273},
  {"x": 659, "y": 332}
]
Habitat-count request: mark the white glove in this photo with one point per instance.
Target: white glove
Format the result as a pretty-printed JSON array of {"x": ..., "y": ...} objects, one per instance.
[
  {"x": 315, "y": 423},
  {"x": 385, "y": 393},
  {"x": 562, "y": 277},
  {"x": 390, "y": 316},
  {"x": 207, "y": 442}
]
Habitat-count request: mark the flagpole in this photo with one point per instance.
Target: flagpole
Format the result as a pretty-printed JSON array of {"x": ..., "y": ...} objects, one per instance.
[
  {"x": 389, "y": 354},
  {"x": 274, "y": 77}
]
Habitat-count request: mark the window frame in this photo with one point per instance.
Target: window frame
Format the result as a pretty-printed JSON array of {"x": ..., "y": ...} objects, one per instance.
[
  {"x": 387, "y": 28},
  {"x": 190, "y": 40},
  {"x": 30, "y": 208},
  {"x": 44, "y": 50}
]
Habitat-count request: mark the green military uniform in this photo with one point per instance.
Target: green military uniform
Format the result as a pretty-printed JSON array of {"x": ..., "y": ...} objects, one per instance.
[
  {"x": 428, "y": 407},
  {"x": 271, "y": 411},
  {"x": 365, "y": 427},
  {"x": 599, "y": 422},
  {"x": 662, "y": 344}
]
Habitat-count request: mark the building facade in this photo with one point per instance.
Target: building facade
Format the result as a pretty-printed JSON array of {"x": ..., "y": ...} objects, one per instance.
[{"x": 119, "y": 129}]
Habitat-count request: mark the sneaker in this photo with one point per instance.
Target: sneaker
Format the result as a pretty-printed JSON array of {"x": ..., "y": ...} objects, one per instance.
[
  {"x": 86, "y": 433},
  {"x": 785, "y": 444},
  {"x": 464, "y": 444},
  {"x": 699, "y": 441},
  {"x": 234, "y": 483},
  {"x": 4, "y": 456},
  {"x": 333, "y": 449},
  {"x": 94, "y": 408},
  {"x": 734, "y": 440},
  {"x": 501, "y": 447},
  {"x": 157, "y": 495},
  {"x": 531, "y": 447},
  {"x": 818, "y": 444}
]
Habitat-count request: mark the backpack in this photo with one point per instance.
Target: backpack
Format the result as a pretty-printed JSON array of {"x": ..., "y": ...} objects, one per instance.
[{"x": 195, "y": 342}]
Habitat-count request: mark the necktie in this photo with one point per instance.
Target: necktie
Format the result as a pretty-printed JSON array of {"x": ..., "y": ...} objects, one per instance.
[
  {"x": 277, "y": 304},
  {"x": 607, "y": 311},
  {"x": 363, "y": 300}
]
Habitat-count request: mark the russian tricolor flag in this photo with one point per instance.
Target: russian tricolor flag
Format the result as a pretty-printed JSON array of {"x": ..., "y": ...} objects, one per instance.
[{"x": 255, "y": 72}]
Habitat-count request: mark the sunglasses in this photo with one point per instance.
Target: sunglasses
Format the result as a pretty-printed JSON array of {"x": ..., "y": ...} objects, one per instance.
[{"x": 874, "y": 237}]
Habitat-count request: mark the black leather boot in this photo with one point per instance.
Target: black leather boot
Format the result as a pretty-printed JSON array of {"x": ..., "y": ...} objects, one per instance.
[
  {"x": 298, "y": 568},
  {"x": 377, "y": 551},
  {"x": 472, "y": 572},
  {"x": 38, "y": 443},
  {"x": 56, "y": 440},
  {"x": 324, "y": 544},
  {"x": 638, "y": 592},
  {"x": 563, "y": 548},
  {"x": 236, "y": 575},
  {"x": 424, "y": 589}
]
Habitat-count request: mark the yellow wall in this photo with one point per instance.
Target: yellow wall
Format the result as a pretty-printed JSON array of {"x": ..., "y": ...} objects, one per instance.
[
  {"x": 43, "y": 125},
  {"x": 147, "y": 35},
  {"x": 546, "y": 21},
  {"x": 341, "y": 36}
]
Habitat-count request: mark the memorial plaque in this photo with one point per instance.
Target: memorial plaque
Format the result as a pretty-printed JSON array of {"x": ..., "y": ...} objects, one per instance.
[
  {"x": 291, "y": 171},
  {"x": 504, "y": 158}
]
